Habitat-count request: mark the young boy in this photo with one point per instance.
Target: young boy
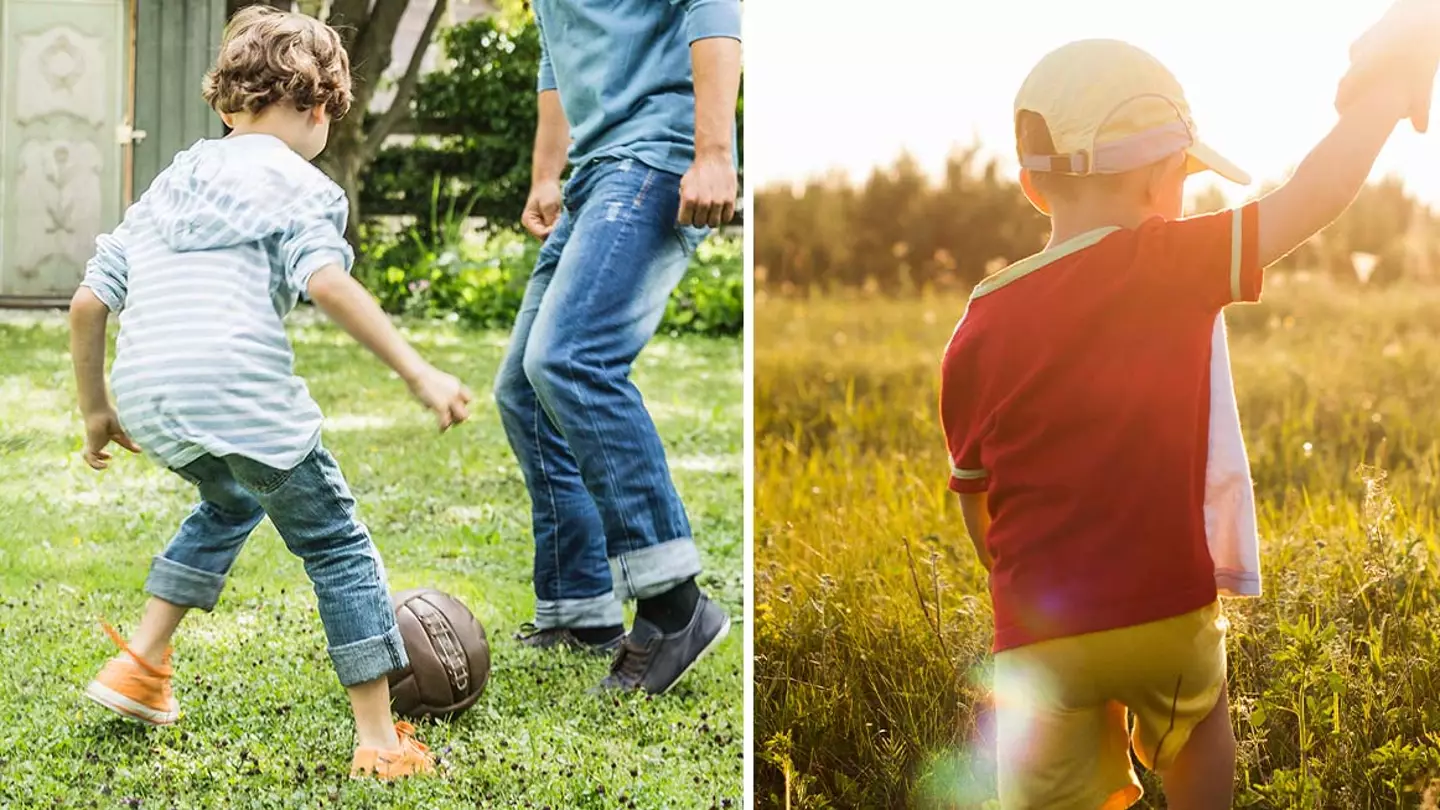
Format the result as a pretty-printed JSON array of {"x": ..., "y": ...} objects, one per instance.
[
  {"x": 1075, "y": 400},
  {"x": 202, "y": 272}
]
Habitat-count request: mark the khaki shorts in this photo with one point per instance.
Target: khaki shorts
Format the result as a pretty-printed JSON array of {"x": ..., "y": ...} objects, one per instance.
[{"x": 1061, "y": 709}]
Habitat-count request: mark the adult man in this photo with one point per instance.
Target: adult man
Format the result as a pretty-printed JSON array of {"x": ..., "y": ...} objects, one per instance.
[{"x": 641, "y": 94}]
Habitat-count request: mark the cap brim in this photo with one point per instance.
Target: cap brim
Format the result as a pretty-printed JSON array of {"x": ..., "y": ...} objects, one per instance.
[{"x": 1202, "y": 158}]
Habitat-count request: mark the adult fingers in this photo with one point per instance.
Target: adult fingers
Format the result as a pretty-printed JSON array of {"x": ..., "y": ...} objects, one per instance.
[
  {"x": 687, "y": 209},
  {"x": 729, "y": 214},
  {"x": 1420, "y": 116},
  {"x": 126, "y": 442},
  {"x": 532, "y": 223}
]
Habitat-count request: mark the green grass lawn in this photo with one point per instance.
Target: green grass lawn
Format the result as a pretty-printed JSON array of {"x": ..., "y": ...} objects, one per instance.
[{"x": 264, "y": 722}]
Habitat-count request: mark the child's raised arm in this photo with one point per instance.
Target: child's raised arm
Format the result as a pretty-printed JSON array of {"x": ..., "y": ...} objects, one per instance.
[
  {"x": 348, "y": 304},
  {"x": 1327, "y": 181}
]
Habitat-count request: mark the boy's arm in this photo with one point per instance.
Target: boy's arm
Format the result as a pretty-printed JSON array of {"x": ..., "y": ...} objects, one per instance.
[
  {"x": 708, "y": 190},
  {"x": 348, "y": 304},
  {"x": 975, "y": 509},
  {"x": 102, "y": 291},
  {"x": 88, "y": 315},
  {"x": 1327, "y": 181}
]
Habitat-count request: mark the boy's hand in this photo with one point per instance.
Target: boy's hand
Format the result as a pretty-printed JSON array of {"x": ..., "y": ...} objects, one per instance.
[
  {"x": 443, "y": 394},
  {"x": 100, "y": 430}
]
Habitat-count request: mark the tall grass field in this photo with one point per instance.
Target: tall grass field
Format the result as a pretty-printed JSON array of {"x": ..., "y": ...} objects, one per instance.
[{"x": 873, "y": 625}]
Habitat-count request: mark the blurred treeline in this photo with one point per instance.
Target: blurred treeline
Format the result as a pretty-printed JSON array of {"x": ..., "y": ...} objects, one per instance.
[{"x": 903, "y": 230}]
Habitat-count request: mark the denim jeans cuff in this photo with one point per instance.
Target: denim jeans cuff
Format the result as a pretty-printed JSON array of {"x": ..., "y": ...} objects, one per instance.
[
  {"x": 182, "y": 585},
  {"x": 368, "y": 659},
  {"x": 653, "y": 570},
  {"x": 597, "y": 611}
]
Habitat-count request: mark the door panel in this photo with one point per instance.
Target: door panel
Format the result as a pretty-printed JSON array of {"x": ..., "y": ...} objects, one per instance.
[
  {"x": 61, "y": 85},
  {"x": 176, "y": 43}
]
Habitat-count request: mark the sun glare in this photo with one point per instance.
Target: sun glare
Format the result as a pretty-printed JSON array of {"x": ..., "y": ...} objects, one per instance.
[{"x": 852, "y": 90}]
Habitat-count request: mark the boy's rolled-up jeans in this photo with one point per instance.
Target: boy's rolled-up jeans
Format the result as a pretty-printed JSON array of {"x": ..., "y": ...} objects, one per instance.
[
  {"x": 312, "y": 509},
  {"x": 608, "y": 523}
]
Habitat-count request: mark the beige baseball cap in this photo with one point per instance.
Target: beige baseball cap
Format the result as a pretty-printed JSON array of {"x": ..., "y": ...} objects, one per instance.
[{"x": 1111, "y": 107}]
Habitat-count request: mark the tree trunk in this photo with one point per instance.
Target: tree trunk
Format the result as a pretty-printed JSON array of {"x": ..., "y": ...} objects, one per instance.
[
  {"x": 344, "y": 160},
  {"x": 369, "y": 35}
]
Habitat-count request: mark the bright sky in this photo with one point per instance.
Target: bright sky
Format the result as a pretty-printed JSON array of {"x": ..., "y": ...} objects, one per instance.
[{"x": 847, "y": 84}]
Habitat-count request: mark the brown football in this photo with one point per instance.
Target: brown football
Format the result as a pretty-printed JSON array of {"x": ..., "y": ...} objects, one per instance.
[{"x": 449, "y": 655}]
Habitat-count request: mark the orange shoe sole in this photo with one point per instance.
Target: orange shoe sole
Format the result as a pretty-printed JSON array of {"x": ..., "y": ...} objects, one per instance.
[{"x": 127, "y": 708}]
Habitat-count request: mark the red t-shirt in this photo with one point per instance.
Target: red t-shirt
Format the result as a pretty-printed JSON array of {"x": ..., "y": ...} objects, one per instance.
[{"x": 1076, "y": 393}]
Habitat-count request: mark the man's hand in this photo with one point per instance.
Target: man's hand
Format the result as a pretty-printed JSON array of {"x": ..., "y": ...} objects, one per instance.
[
  {"x": 101, "y": 429},
  {"x": 443, "y": 394},
  {"x": 707, "y": 191},
  {"x": 1403, "y": 47},
  {"x": 542, "y": 209}
]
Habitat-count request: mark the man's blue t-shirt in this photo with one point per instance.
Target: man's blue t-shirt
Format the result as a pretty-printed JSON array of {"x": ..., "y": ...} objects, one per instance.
[{"x": 622, "y": 68}]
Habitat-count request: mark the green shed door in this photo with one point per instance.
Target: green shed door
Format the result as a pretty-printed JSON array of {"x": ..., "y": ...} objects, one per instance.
[
  {"x": 62, "y": 97},
  {"x": 175, "y": 44}
]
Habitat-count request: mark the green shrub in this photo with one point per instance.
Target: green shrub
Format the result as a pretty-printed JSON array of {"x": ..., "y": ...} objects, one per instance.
[
  {"x": 475, "y": 125},
  {"x": 479, "y": 279}
]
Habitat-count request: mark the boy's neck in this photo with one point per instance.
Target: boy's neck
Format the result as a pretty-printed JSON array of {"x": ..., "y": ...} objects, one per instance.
[
  {"x": 283, "y": 127},
  {"x": 1070, "y": 221}
]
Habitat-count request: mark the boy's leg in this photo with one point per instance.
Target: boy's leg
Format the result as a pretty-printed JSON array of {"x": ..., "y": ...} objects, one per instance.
[
  {"x": 1059, "y": 745},
  {"x": 573, "y": 588},
  {"x": 189, "y": 573},
  {"x": 313, "y": 511},
  {"x": 624, "y": 256},
  {"x": 152, "y": 638},
  {"x": 1202, "y": 777},
  {"x": 1182, "y": 716}
]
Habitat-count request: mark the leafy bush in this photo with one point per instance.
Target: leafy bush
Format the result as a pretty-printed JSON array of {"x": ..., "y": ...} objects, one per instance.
[
  {"x": 440, "y": 269},
  {"x": 475, "y": 127}
]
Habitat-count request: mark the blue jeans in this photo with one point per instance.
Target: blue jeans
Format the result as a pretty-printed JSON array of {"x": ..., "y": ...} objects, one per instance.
[
  {"x": 608, "y": 523},
  {"x": 314, "y": 513}
]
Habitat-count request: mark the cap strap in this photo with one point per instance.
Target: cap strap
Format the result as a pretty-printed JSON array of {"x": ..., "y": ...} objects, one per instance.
[{"x": 1119, "y": 155}]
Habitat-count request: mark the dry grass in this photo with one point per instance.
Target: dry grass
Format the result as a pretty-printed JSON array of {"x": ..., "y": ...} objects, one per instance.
[{"x": 873, "y": 628}]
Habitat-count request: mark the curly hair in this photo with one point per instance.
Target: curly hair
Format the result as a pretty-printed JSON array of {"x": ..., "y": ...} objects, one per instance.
[{"x": 268, "y": 56}]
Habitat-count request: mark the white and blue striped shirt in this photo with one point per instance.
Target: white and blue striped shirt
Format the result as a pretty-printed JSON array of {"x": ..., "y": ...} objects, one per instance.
[{"x": 202, "y": 271}]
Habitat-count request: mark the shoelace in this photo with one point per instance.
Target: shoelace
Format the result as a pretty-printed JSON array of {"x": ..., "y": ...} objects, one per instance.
[
  {"x": 159, "y": 672},
  {"x": 410, "y": 748},
  {"x": 630, "y": 662}
]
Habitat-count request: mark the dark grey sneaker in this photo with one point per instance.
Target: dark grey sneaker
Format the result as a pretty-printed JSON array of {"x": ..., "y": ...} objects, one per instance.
[
  {"x": 653, "y": 661},
  {"x": 552, "y": 637}
]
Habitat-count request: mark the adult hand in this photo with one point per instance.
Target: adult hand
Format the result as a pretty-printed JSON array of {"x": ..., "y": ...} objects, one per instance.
[
  {"x": 1403, "y": 47},
  {"x": 542, "y": 209},
  {"x": 707, "y": 191},
  {"x": 100, "y": 430}
]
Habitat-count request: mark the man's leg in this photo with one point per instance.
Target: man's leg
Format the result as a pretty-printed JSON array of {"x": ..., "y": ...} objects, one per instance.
[
  {"x": 574, "y": 601},
  {"x": 624, "y": 256}
]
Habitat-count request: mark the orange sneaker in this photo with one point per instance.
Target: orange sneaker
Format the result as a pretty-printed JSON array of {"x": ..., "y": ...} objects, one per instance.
[
  {"x": 133, "y": 687},
  {"x": 412, "y": 758}
]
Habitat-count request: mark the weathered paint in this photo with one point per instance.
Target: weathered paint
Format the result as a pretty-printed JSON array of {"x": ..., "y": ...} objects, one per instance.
[{"x": 64, "y": 95}]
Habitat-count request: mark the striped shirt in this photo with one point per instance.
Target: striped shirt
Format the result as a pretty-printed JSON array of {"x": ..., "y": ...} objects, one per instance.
[{"x": 202, "y": 271}]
